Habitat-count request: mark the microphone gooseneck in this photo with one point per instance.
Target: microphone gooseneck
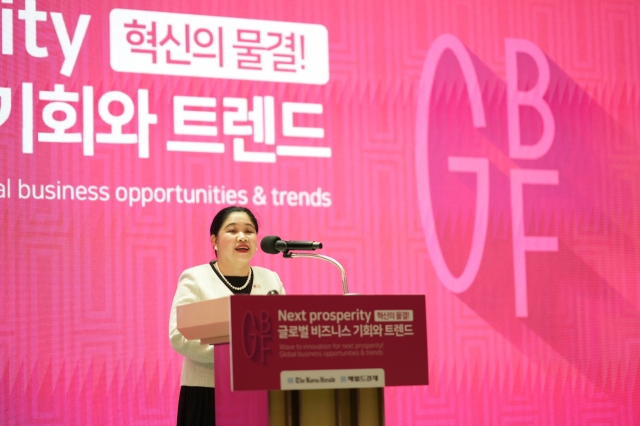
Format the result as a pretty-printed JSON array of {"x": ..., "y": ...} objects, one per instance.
[{"x": 272, "y": 244}]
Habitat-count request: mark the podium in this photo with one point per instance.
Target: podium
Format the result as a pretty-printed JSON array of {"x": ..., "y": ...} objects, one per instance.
[{"x": 309, "y": 360}]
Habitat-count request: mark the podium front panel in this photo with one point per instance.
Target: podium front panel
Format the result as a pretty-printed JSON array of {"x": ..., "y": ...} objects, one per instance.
[{"x": 328, "y": 342}]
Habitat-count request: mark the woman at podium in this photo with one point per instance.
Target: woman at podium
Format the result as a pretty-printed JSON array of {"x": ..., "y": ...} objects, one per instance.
[{"x": 233, "y": 235}]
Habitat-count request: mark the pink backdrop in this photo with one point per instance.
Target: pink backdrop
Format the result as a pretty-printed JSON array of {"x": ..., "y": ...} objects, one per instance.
[{"x": 484, "y": 153}]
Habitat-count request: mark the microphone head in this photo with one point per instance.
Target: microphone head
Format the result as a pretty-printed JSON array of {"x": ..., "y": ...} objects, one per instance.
[{"x": 268, "y": 244}]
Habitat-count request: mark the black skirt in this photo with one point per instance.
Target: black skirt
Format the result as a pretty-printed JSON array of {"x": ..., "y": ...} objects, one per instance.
[{"x": 197, "y": 406}]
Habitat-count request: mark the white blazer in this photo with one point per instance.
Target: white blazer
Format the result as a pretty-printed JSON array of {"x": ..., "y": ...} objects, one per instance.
[{"x": 197, "y": 284}]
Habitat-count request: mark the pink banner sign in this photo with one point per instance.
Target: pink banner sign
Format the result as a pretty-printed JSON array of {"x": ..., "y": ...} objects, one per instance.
[{"x": 328, "y": 342}]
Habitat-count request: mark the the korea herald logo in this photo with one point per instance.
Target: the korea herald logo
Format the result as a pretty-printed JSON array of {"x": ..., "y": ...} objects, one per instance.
[{"x": 256, "y": 335}]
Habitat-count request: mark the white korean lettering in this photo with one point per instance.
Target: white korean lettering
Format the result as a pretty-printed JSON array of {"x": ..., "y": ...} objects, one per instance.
[
  {"x": 5, "y": 104},
  {"x": 205, "y": 116},
  {"x": 289, "y": 129},
  {"x": 240, "y": 114},
  {"x": 27, "y": 118},
  {"x": 289, "y": 109},
  {"x": 145, "y": 118},
  {"x": 60, "y": 102},
  {"x": 87, "y": 124},
  {"x": 116, "y": 121},
  {"x": 240, "y": 155},
  {"x": 220, "y": 47}
]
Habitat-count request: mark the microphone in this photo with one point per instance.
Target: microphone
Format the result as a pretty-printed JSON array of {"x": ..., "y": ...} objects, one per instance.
[{"x": 274, "y": 245}]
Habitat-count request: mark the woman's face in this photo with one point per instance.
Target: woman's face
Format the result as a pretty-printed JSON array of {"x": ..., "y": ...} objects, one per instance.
[{"x": 236, "y": 240}]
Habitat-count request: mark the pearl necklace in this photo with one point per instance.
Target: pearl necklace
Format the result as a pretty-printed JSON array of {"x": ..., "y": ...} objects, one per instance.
[{"x": 215, "y": 265}]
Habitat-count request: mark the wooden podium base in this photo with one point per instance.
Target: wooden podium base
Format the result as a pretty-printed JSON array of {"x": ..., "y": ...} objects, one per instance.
[{"x": 325, "y": 407}]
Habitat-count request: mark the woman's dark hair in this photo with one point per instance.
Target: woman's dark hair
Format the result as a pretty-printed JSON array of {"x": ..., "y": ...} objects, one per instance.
[{"x": 223, "y": 214}]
